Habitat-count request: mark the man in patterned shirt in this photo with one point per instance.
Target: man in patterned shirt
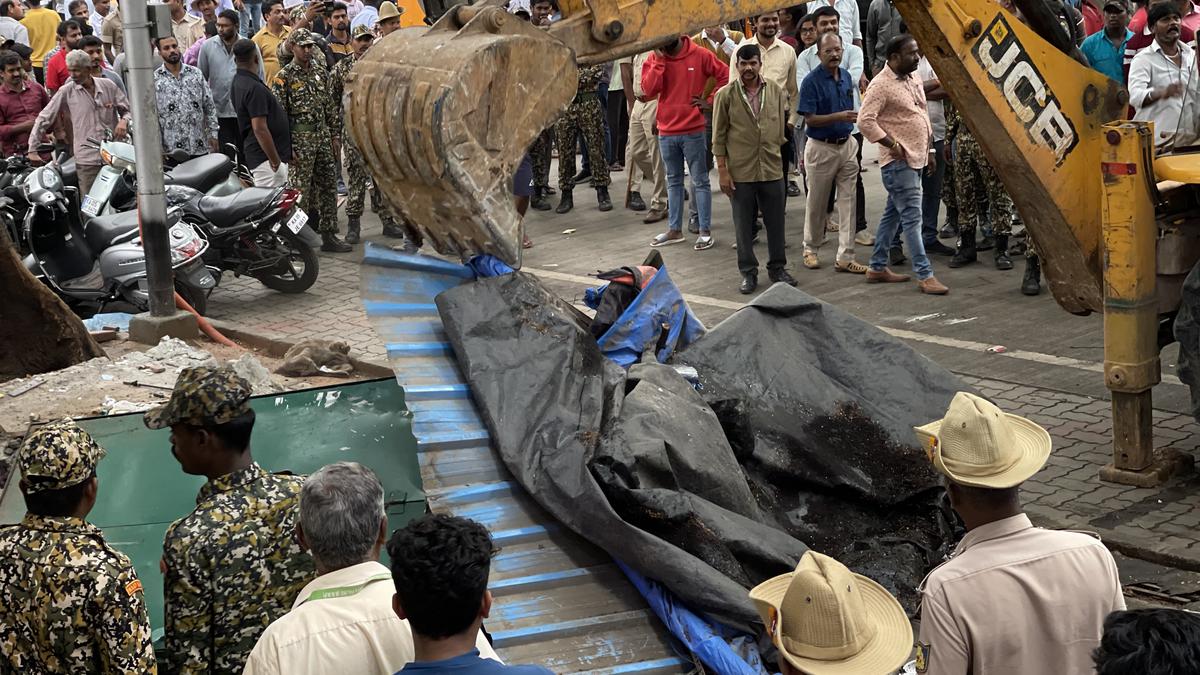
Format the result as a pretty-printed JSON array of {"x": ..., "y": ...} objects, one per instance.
[
  {"x": 187, "y": 115},
  {"x": 302, "y": 88},
  {"x": 231, "y": 566},
  {"x": 69, "y": 602}
]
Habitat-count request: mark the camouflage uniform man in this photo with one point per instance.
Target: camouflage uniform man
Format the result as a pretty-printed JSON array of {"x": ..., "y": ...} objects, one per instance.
[
  {"x": 585, "y": 116},
  {"x": 361, "y": 38},
  {"x": 231, "y": 566},
  {"x": 69, "y": 602},
  {"x": 949, "y": 185},
  {"x": 540, "y": 155},
  {"x": 974, "y": 179},
  {"x": 302, "y": 89}
]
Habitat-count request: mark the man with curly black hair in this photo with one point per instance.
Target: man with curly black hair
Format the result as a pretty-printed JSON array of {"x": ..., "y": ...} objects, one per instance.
[
  {"x": 440, "y": 568},
  {"x": 1149, "y": 642}
]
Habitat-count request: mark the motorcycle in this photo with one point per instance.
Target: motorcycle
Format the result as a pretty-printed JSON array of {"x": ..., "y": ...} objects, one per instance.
[
  {"x": 256, "y": 232},
  {"x": 104, "y": 262}
]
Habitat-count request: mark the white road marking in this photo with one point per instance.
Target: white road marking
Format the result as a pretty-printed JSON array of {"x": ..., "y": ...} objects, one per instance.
[
  {"x": 954, "y": 343},
  {"x": 923, "y": 317}
]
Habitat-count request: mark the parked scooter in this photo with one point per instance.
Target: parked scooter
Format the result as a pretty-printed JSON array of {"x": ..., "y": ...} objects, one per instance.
[
  {"x": 104, "y": 263},
  {"x": 115, "y": 188},
  {"x": 256, "y": 232}
]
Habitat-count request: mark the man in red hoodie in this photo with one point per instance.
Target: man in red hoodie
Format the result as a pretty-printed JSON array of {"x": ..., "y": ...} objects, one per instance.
[{"x": 677, "y": 75}]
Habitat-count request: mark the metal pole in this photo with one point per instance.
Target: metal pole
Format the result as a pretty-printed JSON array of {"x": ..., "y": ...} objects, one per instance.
[{"x": 147, "y": 143}]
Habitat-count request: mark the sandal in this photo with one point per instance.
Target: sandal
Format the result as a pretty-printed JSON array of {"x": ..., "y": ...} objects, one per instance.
[
  {"x": 852, "y": 267},
  {"x": 704, "y": 242},
  {"x": 811, "y": 261},
  {"x": 665, "y": 239}
]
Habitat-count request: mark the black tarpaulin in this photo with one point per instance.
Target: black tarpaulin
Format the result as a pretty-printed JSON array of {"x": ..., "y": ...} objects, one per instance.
[{"x": 802, "y": 434}]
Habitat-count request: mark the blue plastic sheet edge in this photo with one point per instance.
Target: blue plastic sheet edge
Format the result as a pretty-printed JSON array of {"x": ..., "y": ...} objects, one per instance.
[{"x": 710, "y": 642}]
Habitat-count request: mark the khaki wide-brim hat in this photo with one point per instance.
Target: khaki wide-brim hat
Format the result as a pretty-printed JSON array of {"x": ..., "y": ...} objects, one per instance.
[
  {"x": 838, "y": 622},
  {"x": 389, "y": 10},
  {"x": 979, "y": 445}
]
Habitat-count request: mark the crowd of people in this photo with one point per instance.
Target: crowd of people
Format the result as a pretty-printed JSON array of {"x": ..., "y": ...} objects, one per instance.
[
  {"x": 262, "y": 83},
  {"x": 273, "y": 572},
  {"x": 845, "y": 73}
]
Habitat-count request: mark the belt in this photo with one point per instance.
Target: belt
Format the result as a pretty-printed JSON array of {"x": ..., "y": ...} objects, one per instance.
[
  {"x": 304, "y": 127},
  {"x": 832, "y": 141}
]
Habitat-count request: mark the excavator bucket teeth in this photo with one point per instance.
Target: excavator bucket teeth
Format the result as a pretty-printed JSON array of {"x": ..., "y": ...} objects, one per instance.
[{"x": 444, "y": 116}]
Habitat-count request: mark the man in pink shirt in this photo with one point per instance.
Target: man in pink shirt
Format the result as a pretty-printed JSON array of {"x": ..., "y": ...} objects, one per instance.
[{"x": 894, "y": 115}]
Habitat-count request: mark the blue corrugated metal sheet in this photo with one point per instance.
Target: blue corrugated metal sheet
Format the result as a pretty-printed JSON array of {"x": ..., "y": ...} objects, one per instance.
[{"x": 560, "y": 602}]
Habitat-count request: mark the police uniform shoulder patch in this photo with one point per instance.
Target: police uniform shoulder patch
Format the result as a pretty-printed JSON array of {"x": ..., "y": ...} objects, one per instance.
[
  {"x": 133, "y": 587},
  {"x": 922, "y": 657}
]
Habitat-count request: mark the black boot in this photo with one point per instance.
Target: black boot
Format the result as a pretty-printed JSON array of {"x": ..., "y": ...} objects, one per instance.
[
  {"x": 331, "y": 243},
  {"x": 582, "y": 176},
  {"x": 1032, "y": 283},
  {"x": 986, "y": 243},
  {"x": 566, "y": 202},
  {"x": 966, "y": 250},
  {"x": 391, "y": 229},
  {"x": 602, "y": 199},
  {"x": 636, "y": 203},
  {"x": 1003, "y": 262},
  {"x": 540, "y": 202},
  {"x": 353, "y": 230}
]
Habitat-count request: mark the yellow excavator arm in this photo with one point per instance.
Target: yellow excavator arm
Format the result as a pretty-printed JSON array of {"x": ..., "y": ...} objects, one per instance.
[
  {"x": 443, "y": 115},
  {"x": 1037, "y": 113}
]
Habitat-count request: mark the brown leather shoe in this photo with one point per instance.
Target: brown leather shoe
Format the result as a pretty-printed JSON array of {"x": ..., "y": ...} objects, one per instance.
[
  {"x": 885, "y": 276},
  {"x": 932, "y": 286},
  {"x": 655, "y": 215}
]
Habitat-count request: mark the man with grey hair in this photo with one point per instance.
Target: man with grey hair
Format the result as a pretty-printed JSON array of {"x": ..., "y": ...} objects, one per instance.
[
  {"x": 92, "y": 106},
  {"x": 343, "y": 620}
]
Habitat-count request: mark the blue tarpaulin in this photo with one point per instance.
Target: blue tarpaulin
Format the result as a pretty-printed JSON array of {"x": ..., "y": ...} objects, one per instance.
[
  {"x": 658, "y": 307},
  {"x": 712, "y": 643}
]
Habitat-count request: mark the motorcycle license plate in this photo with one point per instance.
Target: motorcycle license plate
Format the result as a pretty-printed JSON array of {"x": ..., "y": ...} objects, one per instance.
[
  {"x": 297, "y": 221},
  {"x": 91, "y": 206}
]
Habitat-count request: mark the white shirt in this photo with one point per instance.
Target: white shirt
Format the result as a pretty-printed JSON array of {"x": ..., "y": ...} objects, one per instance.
[
  {"x": 852, "y": 61},
  {"x": 1150, "y": 70},
  {"x": 937, "y": 110},
  {"x": 366, "y": 17},
  {"x": 1018, "y": 600},
  {"x": 352, "y": 632},
  {"x": 848, "y": 26},
  {"x": 11, "y": 29}
]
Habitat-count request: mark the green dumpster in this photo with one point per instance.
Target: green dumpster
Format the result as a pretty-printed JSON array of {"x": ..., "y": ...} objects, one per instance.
[{"x": 142, "y": 488}]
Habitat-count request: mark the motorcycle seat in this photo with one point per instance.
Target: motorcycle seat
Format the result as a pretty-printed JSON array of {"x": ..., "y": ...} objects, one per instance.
[
  {"x": 203, "y": 173},
  {"x": 99, "y": 232},
  {"x": 228, "y": 210}
]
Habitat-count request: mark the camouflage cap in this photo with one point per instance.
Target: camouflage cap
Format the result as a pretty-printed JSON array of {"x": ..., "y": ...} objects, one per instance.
[
  {"x": 361, "y": 30},
  {"x": 302, "y": 36},
  {"x": 58, "y": 455},
  {"x": 297, "y": 12},
  {"x": 203, "y": 396}
]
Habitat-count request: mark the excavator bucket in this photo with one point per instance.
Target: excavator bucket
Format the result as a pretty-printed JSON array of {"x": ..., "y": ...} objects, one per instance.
[{"x": 445, "y": 115}]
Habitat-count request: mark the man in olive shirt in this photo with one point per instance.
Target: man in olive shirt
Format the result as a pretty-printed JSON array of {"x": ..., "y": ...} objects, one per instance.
[{"x": 749, "y": 116}]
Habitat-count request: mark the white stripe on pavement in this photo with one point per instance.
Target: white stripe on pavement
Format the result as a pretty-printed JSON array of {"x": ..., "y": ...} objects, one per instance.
[{"x": 954, "y": 343}]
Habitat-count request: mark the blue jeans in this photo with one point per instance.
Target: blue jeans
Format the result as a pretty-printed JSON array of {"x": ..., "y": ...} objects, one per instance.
[
  {"x": 903, "y": 211},
  {"x": 676, "y": 150},
  {"x": 251, "y": 19}
]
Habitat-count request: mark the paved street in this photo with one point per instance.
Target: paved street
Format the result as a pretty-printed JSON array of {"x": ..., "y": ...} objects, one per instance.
[{"x": 1051, "y": 371}]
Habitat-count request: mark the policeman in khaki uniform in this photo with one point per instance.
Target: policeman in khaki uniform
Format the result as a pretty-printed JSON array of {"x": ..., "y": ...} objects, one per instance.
[
  {"x": 232, "y": 565},
  {"x": 69, "y": 602},
  {"x": 302, "y": 89},
  {"x": 1012, "y": 598},
  {"x": 826, "y": 620}
]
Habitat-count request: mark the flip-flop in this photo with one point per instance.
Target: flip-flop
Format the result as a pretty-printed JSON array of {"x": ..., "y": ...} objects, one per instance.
[
  {"x": 704, "y": 242},
  {"x": 665, "y": 239}
]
